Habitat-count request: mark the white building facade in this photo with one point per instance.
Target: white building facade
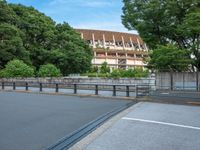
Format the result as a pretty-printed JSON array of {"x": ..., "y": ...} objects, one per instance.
[{"x": 119, "y": 50}]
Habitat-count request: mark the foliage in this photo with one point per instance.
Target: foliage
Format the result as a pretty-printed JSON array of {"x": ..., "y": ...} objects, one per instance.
[
  {"x": 169, "y": 58},
  {"x": 49, "y": 70},
  {"x": 130, "y": 73},
  {"x": 105, "y": 68},
  {"x": 29, "y": 35},
  {"x": 92, "y": 74},
  {"x": 118, "y": 73},
  {"x": 17, "y": 68},
  {"x": 166, "y": 22},
  {"x": 94, "y": 69},
  {"x": 11, "y": 45}
]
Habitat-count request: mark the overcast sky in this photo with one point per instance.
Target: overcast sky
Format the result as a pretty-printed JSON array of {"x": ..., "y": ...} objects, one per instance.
[{"x": 86, "y": 14}]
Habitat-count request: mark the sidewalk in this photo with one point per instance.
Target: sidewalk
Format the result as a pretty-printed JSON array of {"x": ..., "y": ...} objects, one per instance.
[{"x": 148, "y": 126}]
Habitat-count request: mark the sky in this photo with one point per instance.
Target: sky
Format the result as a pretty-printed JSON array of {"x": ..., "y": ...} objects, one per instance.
[{"x": 84, "y": 14}]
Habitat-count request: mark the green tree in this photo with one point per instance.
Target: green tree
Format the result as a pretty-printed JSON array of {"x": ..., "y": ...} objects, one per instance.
[
  {"x": 49, "y": 70},
  {"x": 169, "y": 58},
  {"x": 74, "y": 54},
  {"x": 29, "y": 35},
  {"x": 116, "y": 73},
  {"x": 11, "y": 45},
  {"x": 166, "y": 22},
  {"x": 7, "y": 15},
  {"x": 105, "y": 68},
  {"x": 94, "y": 69},
  {"x": 17, "y": 68}
]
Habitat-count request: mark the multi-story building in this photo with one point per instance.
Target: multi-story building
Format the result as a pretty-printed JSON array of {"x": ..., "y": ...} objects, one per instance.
[{"x": 119, "y": 50}]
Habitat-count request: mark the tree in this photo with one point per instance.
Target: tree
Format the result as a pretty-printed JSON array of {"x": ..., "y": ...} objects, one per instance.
[
  {"x": 105, "y": 68},
  {"x": 169, "y": 58},
  {"x": 74, "y": 54},
  {"x": 11, "y": 45},
  {"x": 17, "y": 68},
  {"x": 7, "y": 14},
  {"x": 31, "y": 36},
  {"x": 49, "y": 70},
  {"x": 166, "y": 22}
]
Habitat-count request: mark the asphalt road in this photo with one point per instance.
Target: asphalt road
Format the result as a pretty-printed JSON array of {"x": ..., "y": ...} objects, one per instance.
[
  {"x": 153, "y": 126},
  {"x": 36, "y": 121}
]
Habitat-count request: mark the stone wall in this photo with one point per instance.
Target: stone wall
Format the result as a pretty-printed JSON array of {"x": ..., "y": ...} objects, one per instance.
[{"x": 70, "y": 80}]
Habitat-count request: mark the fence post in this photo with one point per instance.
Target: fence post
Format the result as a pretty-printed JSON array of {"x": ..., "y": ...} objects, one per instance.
[
  {"x": 40, "y": 87},
  {"x": 26, "y": 86},
  {"x": 14, "y": 86},
  {"x": 136, "y": 90},
  {"x": 2, "y": 85},
  {"x": 197, "y": 81},
  {"x": 75, "y": 89},
  {"x": 114, "y": 90},
  {"x": 56, "y": 87},
  {"x": 183, "y": 81},
  {"x": 96, "y": 89},
  {"x": 149, "y": 89},
  {"x": 127, "y": 91},
  {"x": 171, "y": 81}
]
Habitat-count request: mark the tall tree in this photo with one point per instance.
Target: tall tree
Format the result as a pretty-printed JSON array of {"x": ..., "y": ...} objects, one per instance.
[
  {"x": 169, "y": 58},
  {"x": 162, "y": 22},
  {"x": 26, "y": 33},
  {"x": 11, "y": 45},
  {"x": 73, "y": 53}
]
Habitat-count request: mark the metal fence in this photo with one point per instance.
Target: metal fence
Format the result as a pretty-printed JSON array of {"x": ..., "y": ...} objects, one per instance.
[{"x": 123, "y": 90}]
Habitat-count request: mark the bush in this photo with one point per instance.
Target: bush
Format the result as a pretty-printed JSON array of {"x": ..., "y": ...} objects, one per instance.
[
  {"x": 130, "y": 73},
  {"x": 94, "y": 69},
  {"x": 103, "y": 75},
  {"x": 141, "y": 73},
  {"x": 104, "y": 68},
  {"x": 118, "y": 73},
  {"x": 2, "y": 73},
  {"x": 115, "y": 73},
  {"x": 49, "y": 70},
  {"x": 17, "y": 68}
]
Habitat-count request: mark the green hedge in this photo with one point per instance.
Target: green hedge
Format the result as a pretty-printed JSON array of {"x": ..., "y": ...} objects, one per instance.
[{"x": 117, "y": 73}]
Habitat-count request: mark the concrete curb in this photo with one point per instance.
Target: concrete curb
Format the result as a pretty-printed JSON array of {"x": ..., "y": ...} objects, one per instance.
[{"x": 82, "y": 144}]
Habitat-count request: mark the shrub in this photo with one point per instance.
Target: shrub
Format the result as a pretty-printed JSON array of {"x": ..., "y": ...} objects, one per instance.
[
  {"x": 104, "y": 68},
  {"x": 115, "y": 73},
  {"x": 103, "y": 75},
  {"x": 49, "y": 70},
  {"x": 130, "y": 73},
  {"x": 17, "y": 68},
  {"x": 119, "y": 73}
]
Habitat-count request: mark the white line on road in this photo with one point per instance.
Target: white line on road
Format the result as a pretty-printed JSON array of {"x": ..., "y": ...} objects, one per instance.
[{"x": 163, "y": 123}]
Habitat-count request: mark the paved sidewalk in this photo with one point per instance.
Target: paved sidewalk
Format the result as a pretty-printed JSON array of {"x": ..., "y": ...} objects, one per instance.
[{"x": 153, "y": 126}]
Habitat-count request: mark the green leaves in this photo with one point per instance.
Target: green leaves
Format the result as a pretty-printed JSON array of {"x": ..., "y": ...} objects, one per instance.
[
  {"x": 166, "y": 22},
  {"x": 49, "y": 70},
  {"x": 11, "y": 45},
  {"x": 29, "y": 35},
  {"x": 17, "y": 68},
  {"x": 105, "y": 68},
  {"x": 169, "y": 58}
]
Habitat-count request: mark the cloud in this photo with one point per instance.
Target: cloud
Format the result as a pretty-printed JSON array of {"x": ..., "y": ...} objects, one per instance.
[{"x": 88, "y": 14}]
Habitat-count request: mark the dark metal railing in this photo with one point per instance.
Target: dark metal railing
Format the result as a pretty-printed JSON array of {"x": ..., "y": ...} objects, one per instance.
[{"x": 138, "y": 90}]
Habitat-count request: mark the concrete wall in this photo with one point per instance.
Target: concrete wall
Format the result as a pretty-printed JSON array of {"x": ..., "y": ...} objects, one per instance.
[
  {"x": 177, "y": 80},
  {"x": 139, "y": 81}
]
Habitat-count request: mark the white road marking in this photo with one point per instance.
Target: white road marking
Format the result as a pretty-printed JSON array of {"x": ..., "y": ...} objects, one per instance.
[{"x": 163, "y": 123}]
